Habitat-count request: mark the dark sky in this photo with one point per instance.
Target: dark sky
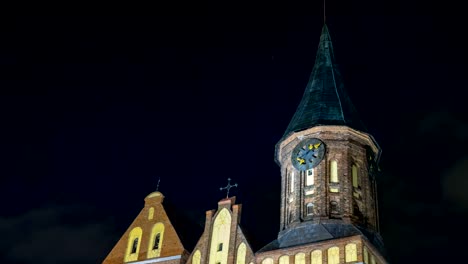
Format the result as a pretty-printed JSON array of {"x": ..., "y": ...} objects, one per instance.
[{"x": 94, "y": 109}]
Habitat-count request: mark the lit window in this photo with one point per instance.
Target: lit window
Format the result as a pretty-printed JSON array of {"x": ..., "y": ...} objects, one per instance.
[
  {"x": 196, "y": 259},
  {"x": 284, "y": 260},
  {"x": 241, "y": 252},
  {"x": 156, "y": 241},
  {"x": 354, "y": 172},
  {"x": 366, "y": 256},
  {"x": 316, "y": 257},
  {"x": 350, "y": 252},
  {"x": 299, "y": 258},
  {"x": 133, "y": 244},
  {"x": 334, "y": 171},
  {"x": 267, "y": 261},
  {"x": 372, "y": 259},
  {"x": 334, "y": 255},
  {"x": 291, "y": 183},
  {"x": 151, "y": 213},
  {"x": 310, "y": 177}
]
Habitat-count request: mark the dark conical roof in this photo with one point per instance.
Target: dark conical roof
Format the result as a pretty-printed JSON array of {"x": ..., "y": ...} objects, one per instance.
[{"x": 325, "y": 101}]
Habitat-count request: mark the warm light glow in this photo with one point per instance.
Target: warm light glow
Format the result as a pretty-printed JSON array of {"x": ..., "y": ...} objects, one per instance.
[
  {"x": 299, "y": 258},
  {"x": 366, "y": 256},
  {"x": 291, "y": 183},
  {"x": 333, "y": 255},
  {"x": 316, "y": 257},
  {"x": 354, "y": 171},
  {"x": 221, "y": 232},
  {"x": 350, "y": 252},
  {"x": 334, "y": 171},
  {"x": 310, "y": 177},
  {"x": 151, "y": 213},
  {"x": 241, "y": 252},
  {"x": 154, "y": 250},
  {"x": 267, "y": 261},
  {"x": 284, "y": 260},
  {"x": 134, "y": 234},
  {"x": 196, "y": 257}
]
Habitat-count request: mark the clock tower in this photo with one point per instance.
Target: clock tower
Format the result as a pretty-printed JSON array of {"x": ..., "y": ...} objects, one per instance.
[{"x": 328, "y": 163}]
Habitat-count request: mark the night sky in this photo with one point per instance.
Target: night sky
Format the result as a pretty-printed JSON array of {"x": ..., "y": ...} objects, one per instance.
[{"x": 95, "y": 109}]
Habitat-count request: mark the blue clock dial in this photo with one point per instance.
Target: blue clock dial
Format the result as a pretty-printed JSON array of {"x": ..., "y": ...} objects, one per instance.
[{"x": 308, "y": 154}]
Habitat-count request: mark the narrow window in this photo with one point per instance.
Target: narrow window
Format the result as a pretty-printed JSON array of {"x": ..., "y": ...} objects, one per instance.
[
  {"x": 366, "y": 256},
  {"x": 310, "y": 177},
  {"x": 354, "y": 172},
  {"x": 284, "y": 260},
  {"x": 157, "y": 238},
  {"x": 196, "y": 257},
  {"x": 291, "y": 183},
  {"x": 299, "y": 258},
  {"x": 151, "y": 213},
  {"x": 310, "y": 209},
  {"x": 134, "y": 246},
  {"x": 241, "y": 252},
  {"x": 372, "y": 259},
  {"x": 350, "y": 252},
  {"x": 334, "y": 255},
  {"x": 333, "y": 171},
  {"x": 316, "y": 257},
  {"x": 220, "y": 247}
]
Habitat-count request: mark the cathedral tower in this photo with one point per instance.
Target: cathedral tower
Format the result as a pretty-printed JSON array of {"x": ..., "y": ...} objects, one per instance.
[{"x": 328, "y": 164}]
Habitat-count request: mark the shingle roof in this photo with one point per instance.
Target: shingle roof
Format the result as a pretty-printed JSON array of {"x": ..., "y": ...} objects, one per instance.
[{"x": 325, "y": 101}]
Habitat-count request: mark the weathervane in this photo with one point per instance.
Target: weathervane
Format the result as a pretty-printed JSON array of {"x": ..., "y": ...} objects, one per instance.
[
  {"x": 228, "y": 187},
  {"x": 157, "y": 186}
]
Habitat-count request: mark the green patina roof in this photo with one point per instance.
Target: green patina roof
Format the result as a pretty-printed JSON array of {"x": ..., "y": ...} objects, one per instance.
[{"x": 325, "y": 101}]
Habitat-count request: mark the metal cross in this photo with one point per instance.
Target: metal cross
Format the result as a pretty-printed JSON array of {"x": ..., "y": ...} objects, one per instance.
[
  {"x": 157, "y": 186},
  {"x": 228, "y": 187}
]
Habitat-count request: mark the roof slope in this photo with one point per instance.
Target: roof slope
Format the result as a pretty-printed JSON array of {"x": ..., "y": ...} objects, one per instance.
[{"x": 325, "y": 101}]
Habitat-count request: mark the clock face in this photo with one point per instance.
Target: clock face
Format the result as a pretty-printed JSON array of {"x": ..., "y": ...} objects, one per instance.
[{"x": 308, "y": 154}]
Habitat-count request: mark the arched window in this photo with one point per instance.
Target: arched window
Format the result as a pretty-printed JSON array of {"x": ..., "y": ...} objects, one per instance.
[
  {"x": 334, "y": 171},
  {"x": 156, "y": 240},
  {"x": 133, "y": 244},
  {"x": 241, "y": 252},
  {"x": 366, "y": 256},
  {"x": 151, "y": 213},
  {"x": 299, "y": 258},
  {"x": 333, "y": 255},
  {"x": 372, "y": 259},
  {"x": 267, "y": 261},
  {"x": 220, "y": 237},
  {"x": 354, "y": 172},
  {"x": 310, "y": 209},
  {"x": 196, "y": 259},
  {"x": 284, "y": 260},
  {"x": 350, "y": 252},
  {"x": 310, "y": 177},
  {"x": 316, "y": 257},
  {"x": 291, "y": 182}
]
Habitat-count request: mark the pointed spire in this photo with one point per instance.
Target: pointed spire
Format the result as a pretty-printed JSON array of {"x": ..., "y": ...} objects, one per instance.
[{"x": 325, "y": 101}]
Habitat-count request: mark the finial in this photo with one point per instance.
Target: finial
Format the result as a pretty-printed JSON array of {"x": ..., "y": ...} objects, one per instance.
[
  {"x": 228, "y": 187},
  {"x": 324, "y": 13},
  {"x": 157, "y": 186}
]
